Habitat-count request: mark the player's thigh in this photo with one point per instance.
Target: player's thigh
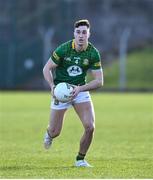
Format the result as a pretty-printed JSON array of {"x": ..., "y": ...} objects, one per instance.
[
  {"x": 56, "y": 119},
  {"x": 85, "y": 111}
]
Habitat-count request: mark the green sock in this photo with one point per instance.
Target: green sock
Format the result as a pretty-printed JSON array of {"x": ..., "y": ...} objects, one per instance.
[{"x": 80, "y": 156}]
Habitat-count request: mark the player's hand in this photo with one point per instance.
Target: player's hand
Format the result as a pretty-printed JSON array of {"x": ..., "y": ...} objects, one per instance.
[
  {"x": 76, "y": 91},
  {"x": 56, "y": 102}
]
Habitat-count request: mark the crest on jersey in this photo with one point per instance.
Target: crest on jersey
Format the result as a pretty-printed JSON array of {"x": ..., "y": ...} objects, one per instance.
[
  {"x": 74, "y": 70},
  {"x": 85, "y": 62}
]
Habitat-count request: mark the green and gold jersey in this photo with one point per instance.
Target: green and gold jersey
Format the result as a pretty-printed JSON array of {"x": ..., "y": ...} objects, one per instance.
[{"x": 72, "y": 65}]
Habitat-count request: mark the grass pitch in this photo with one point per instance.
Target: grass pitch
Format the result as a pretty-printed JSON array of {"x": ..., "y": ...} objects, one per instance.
[{"x": 122, "y": 145}]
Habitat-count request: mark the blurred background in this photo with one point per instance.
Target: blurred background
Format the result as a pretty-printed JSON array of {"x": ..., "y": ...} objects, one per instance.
[{"x": 122, "y": 30}]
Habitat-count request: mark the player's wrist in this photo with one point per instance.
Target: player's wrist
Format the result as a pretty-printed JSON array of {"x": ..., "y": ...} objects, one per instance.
[
  {"x": 51, "y": 85},
  {"x": 81, "y": 88}
]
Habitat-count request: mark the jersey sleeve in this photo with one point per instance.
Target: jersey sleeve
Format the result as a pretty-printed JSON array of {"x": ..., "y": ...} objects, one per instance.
[
  {"x": 57, "y": 55},
  {"x": 95, "y": 60}
]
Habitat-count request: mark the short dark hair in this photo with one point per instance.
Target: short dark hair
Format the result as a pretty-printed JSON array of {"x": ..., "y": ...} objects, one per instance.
[{"x": 82, "y": 22}]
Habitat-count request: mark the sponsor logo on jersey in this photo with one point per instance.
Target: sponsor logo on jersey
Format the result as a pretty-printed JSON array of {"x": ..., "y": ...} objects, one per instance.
[
  {"x": 85, "y": 62},
  {"x": 74, "y": 70}
]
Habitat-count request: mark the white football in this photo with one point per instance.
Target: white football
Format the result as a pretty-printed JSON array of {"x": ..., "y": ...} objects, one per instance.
[{"x": 63, "y": 92}]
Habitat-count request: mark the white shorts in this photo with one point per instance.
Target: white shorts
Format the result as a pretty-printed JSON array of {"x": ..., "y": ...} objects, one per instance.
[{"x": 81, "y": 97}]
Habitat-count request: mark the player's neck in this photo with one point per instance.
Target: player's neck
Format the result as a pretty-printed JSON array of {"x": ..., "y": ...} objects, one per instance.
[{"x": 82, "y": 47}]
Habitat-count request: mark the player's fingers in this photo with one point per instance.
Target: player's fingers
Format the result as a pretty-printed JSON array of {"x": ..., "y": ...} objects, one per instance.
[
  {"x": 75, "y": 93},
  {"x": 52, "y": 91}
]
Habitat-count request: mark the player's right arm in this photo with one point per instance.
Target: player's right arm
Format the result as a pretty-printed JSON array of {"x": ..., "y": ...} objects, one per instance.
[
  {"x": 47, "y": 72},
  {"x": 52, "y": 63}
]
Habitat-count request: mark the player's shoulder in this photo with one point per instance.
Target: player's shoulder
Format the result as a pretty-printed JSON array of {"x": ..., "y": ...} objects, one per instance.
[
  {"x": 64, "y": 48},
  {"x": 93, "y": 48},
  {"x": 66, "y": 45},
  {"x": 94, "y": 53}
]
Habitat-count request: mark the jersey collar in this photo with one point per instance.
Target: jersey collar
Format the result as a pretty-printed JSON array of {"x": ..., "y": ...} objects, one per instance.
[{"x": 73, "y": 45}]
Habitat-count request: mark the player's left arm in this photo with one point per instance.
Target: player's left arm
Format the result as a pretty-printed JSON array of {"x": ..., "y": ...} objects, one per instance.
[{"x": 97, "y": 82}]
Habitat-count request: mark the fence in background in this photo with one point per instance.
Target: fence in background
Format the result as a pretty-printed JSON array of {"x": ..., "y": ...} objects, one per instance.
[{"x": 30, "y": 30}]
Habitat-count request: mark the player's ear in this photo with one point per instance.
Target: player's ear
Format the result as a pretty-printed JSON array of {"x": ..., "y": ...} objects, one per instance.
[
  {"x": 89, "y": 34},
  {"x": 74, "y": 33}
]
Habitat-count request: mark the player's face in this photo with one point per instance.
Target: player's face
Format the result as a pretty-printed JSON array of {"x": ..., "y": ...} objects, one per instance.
[{"x": 81, "y": 35}]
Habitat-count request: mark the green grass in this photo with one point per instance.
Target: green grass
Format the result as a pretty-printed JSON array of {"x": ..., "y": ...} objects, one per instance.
[
  {"x": 139, "y": 73},
  {"x": 122, "y": 146}
]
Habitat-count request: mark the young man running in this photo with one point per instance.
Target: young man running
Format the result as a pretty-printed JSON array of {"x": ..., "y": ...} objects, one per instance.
[{"x": 70, "y": 63}]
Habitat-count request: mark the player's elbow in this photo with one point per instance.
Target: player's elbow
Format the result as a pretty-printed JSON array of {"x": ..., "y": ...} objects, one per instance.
[
  {"x": 48, "y": 66},
  {"x": 45, "y": 69},
  {"x": 100, "y": 83}
]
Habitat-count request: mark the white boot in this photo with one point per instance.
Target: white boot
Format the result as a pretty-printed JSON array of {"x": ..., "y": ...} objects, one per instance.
[
  {"x": 82, "y": 163},
  {"x": 47, "y": 141}
]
